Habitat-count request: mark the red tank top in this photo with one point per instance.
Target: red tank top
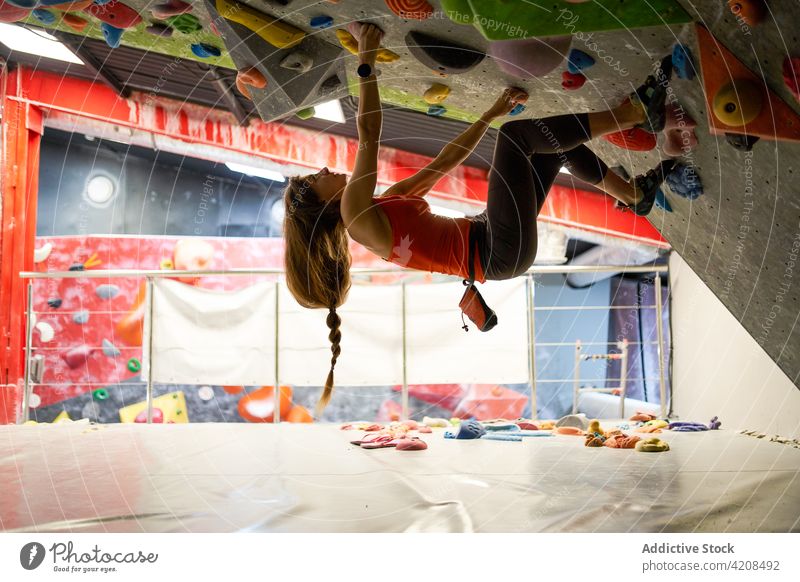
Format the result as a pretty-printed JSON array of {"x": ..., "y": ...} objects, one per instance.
[{"x": 426, "y": 241}]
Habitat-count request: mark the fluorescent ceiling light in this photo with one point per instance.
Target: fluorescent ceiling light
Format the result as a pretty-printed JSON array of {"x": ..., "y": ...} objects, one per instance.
[
  {"x": 330, "y": 111},
  {"x": 442, "y": 211},
  {"x": 253, "y": 171},
  {"x": 37, "y": 43}
]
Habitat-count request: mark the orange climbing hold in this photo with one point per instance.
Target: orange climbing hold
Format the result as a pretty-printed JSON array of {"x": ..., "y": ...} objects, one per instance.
[
  {"x": 74, "y": 21},
  {"x": 750, "y": 12},
  {"x": 299, "y": 414},
  {"x": 413, "y": 9},
  {"x": 635, "y": 139},
  {"x": 250, "y": 78},
  {"x": 259, "y": 405}
]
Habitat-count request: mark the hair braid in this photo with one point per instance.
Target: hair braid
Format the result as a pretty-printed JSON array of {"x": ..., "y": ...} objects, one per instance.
[{"x": 335, "y": 336}]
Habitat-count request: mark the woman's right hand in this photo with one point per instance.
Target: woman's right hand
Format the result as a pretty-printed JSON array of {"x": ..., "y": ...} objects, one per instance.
[
  {"x": 510, "y": 98},
  {"x": 368, "y": 43}
]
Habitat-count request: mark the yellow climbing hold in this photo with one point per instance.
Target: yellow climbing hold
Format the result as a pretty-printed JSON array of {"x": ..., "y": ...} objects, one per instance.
[
  {"x": 657, "y": 423},
  {"x": 30, "y": 422},
  {"x": 436, "y": 93},
  {"x": 653, "y": 445},
  {"x": 349, "y": 42},
  {"x": 595, "y": 428},
  {"x": 62, "y": 417},
  {"x": 277, "y": 33}
]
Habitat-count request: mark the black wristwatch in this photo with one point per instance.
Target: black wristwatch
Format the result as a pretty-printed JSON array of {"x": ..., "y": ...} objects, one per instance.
[{"x": 364, "y": 70}]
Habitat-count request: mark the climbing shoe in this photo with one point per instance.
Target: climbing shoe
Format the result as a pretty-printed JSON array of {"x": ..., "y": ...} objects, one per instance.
[
  {"x": 652, "y": 96},
  {"x": 649, "y": 184}
]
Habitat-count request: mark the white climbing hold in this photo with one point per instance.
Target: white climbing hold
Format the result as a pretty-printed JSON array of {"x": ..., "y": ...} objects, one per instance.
[
  {"x": 34, "y": 400},
  {"x": 205, "y": 392},
  {"x": 297, "y": 61},
  {"x": 42, "y": 253},
  {"x": 81, "y": 317},
  {"x": 110, "y": 350},
  {"x": 107, "y": 291},
  {"x": 46, "y": 332}
]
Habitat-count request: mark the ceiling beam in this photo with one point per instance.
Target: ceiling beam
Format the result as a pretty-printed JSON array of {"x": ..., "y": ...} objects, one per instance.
[
  {"x": 76, "y": 45},
  {"x": 225, "y": 90}
]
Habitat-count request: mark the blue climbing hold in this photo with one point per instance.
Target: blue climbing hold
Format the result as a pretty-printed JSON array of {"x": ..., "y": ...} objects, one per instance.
[
  {"x": 320, "y": 22},
  {"x": 107, "y": 291},
  {"x": 518, "y": 108},
  {"x": 44, "y": 16},
  {"x": 110, "y": 350},
  {"x": 205, "y": 51},
  {"x": 494, "y": 436},
  {"x": 469, "y": 429},
  {"x": 684, "y": 181},
  {"x": 662, "y": 202},
  {"x": 683, "y": 62},
  {"x": 578, "y": 60},
  {"x": 112, "y": 34},
  {"x": 101, "y": 2},
  {"x": 80, "y": 317},
  {"x": 24, "y": 3},
  {"x": 55, "y": 302},
  {"x": 436, "y": 110}
]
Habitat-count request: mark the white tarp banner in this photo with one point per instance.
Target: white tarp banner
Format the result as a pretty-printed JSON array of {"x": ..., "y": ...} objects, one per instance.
[
  {"x": 202, "y": 336},
  {"x": 440, "y": 352},
  {"x": 372, "y": 339}
]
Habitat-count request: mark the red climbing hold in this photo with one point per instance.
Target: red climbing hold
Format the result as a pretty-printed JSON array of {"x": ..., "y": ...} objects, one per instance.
[
  {"x": 11, "y": 13},
  {"x": 412, "y": 444},
  {"x": 158, "y": 416},
  {"x": 416, "y": 9},
  {"x": 572, "y": 81},
  {"x": 115, "y": 13},
  {"x": 635, "y": 140},
  {"x": 791, "y": 75},
  {"x": 77, "y": 357}
]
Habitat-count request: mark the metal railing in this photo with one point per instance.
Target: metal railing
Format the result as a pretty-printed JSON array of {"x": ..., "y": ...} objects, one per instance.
[{"x": 151, "y": 274}]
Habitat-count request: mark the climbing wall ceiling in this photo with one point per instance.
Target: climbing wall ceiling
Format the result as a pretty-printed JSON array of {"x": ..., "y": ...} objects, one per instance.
[{"x": 740, "y": 232}]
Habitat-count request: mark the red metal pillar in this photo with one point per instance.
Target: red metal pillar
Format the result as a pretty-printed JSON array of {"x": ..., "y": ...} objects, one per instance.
[{"x": 19, "y": 168}]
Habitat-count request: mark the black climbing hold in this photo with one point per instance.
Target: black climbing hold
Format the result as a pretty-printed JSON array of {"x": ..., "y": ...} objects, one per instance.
[
  {"x": 442, "y": 56},
  {"x": 330, "y": 85},
  {"x": 77, "y": 267},
  {"x": 55, "y": 302},
  {"x": 741, "y": 142}
]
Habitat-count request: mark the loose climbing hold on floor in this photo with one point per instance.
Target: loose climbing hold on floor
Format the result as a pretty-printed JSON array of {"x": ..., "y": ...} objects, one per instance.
[{"x": 652, "y": 445}]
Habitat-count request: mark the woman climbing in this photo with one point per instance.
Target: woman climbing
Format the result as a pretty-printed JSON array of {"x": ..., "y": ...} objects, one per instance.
[{"x": 322, "y": 209}]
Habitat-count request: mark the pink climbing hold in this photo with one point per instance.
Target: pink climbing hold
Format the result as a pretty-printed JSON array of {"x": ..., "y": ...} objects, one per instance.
[
  {"x": 158, "y": 416},
  {"x": 678, "y": 118},
  {"x": 791, "y": 75},
  {"x": 77, "y": 357},
  {"x": 11, "y": 13},
  {"x": 572, "y": 81},
  {"x": 115, "y": 13},
  {"x": 679, "y": 142},
  {"x": 531, "y": 57},
  {"x": 171, "y": 8},
  {"x": 424, "y": 429},
  {"x": 412, "y": 444}
]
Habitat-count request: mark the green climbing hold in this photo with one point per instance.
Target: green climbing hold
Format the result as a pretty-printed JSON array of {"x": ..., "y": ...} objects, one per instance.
[
  {"x": 306, "y": 113},
  {"x": 100, "y": 394},
  {"x": 134, "y": 365},
  {"x": 185, "y": 23}
]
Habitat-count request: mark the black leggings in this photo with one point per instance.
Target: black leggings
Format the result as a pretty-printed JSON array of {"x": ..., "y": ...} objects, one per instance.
[{"x": 527, "y": 157}]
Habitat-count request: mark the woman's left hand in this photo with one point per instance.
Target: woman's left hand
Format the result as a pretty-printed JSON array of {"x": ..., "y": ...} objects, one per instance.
[
  {"x": 510, "y": 98},
  {"x": 368, "y": 43}
]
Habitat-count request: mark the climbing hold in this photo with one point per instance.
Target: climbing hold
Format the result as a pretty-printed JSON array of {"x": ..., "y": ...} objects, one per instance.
[
  {"x": 715, "y": 423},
  {"x": 572, "y": 81},
  {"x": 9, "y": 12},
  {"x": 107, "y": 291},
  {"x": 159, "y": 29},
  {"x": 791, "y": 75},
  {"x": 115, "y": 13},
  {"x": 298, "y": 61},
  {"x": 81, "y": 317},
  {"x": 329, "y": 85},
  {"x": 320, "y": 22},
  {"x": 442, "y": 56},
  {"x": 678, "y": 118},
  {"x": 62, "y": 417},
  {"x": 185, "y": 23},
  {"x": 662, "y": 202},
  {"x": 46, "y": 332},
  {"x": 44, "y": 16},
  {"x": 652, "y": 445},
  {"x": 100, "y": 394},
  {"x": 679, "y": 142},
  {"x": 527, "y": 425},
  {"x": 436, "y": 110},
  {"x": 642, "y": 416},
  {"x": 77, "y": 267},
  {"x": 741, "y": 142},
  {"x": 171, "y": 8},
  {"x": 306, "y": 113},
  {"x": 634, "y": 139},
  {"x": 411, "y": 9},
  {"x": 518, "y": 108},
  {"x": 110, "y": 350},
  {"x": 134, "y": 366},
  {"x": 594, "y": 440},
  {"x": 738, "y": 103},
  {"x": 233, "y": 389},
  {"x": 252, "y": 77},
  {"x": 55, "y": 302},
  {"x": 684, "y": 181},
  {"x": 748, "y": 11},
  {"x": 259, "y": 405},
  {"x": 205, "y": 393},
  {"x": 74, "y": 21},
  {"x": 683, "y": 62},
  {"x": 435, "y": 422},
  {"x": 349, "y": 42},
  {"x": 595, "y": 428},
  {"x": 622, "y": 441},
  {"x": 23, "y": 4},
  {"x": 166, "y": 265},
  {"x": 278, "y": 33},
  {"x": 156, "y": 417},
  {"x": 530, "y": 57},
  {"x": 577, "y": 420},
  {"x": 41, "y": 254},
  {"x": 568, "y": 430},
  {"x": 77, "y": 356},
  {"x": 111, "y": 34},
  {"x": 469, "y": 429},
  {"x": 100, "y": 2},
  {"x": 411, "y": 444},
  {"x": 34, "y": 401},
  {"x": 577, "y": 61},
  {"x": 436, "y": 93},
  {"x": 205, "y": 51}
]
